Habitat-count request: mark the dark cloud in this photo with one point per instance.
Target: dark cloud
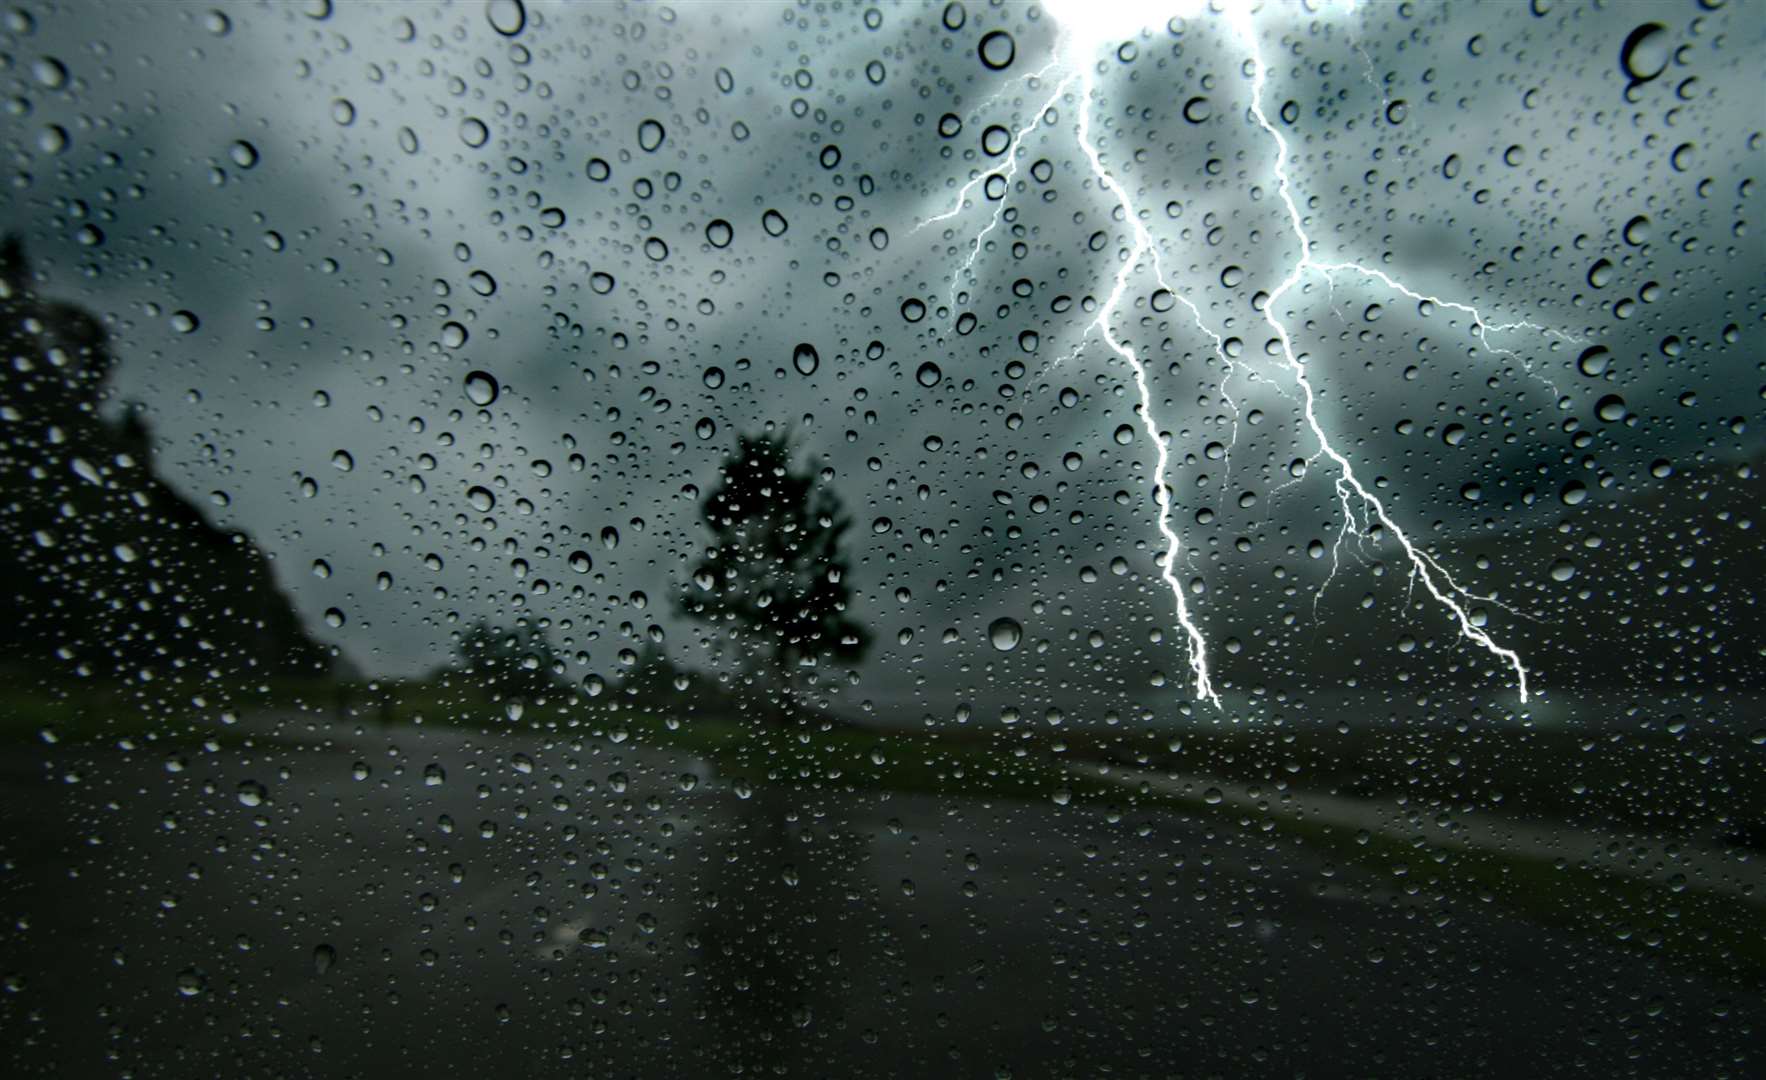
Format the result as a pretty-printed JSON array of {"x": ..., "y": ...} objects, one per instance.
[{"x": 403, "y": 156}]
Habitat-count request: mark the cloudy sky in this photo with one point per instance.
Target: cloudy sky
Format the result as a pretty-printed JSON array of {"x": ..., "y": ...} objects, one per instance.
[{"x": 312, "y": 230}]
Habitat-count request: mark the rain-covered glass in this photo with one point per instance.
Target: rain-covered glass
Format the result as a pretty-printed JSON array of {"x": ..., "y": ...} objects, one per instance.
[{"x": 814, "y": 539}]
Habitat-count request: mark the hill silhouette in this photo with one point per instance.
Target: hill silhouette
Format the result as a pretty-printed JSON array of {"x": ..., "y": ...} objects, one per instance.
[{"x": 108, "y": 571}]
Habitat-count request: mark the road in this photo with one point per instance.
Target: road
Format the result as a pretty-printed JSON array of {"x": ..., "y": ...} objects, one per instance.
[{"x": 367, "y": 903}]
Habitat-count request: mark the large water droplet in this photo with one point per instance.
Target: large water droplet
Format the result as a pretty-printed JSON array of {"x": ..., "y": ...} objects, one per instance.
[
  {"x": 1005, "y": 634},
  {"x": 1644, "y": 54},
  {"x": 507, "y": 17},
  {"x": 805, "y": 359},
  {"x": 481, "y": 387},
  {"x": 997, "y": 50}
]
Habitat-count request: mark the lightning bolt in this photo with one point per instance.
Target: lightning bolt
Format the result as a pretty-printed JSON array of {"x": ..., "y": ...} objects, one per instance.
[
  {"x": 1007, "y": 169},
  {"x": 1143, "y": 245},
  {"x": 1423, "y": 567},
  {"x": 1363, "y": 512}
]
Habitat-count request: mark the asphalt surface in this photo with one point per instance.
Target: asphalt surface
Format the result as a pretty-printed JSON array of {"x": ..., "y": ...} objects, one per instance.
[{"x": 430, "y": 902}]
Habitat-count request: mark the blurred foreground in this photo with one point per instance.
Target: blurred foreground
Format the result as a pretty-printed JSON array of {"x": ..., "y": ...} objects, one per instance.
[{"x": 303, "y": 894}]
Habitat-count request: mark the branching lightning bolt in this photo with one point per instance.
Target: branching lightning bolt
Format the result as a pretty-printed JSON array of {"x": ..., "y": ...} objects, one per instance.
[
  {"x": 1361, "y": 508},
  {"x": 1143, "y": 245},
  {"x": 1007, "y": 170},
  {"x": 1424, "y": 567}
]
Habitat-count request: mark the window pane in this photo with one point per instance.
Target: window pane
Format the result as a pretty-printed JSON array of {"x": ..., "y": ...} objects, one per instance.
[{"x": 814, "y": 539}]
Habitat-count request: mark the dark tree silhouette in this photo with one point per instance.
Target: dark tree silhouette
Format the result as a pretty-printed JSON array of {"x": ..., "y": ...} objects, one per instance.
[{"x": 773, "y": 580}]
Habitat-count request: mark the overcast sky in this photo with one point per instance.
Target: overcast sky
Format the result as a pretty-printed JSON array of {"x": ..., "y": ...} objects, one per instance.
[{"x": 362, "y": 209}]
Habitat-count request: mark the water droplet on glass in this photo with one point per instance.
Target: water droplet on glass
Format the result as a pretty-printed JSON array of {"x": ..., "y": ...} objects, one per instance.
[
  {"x": 507, "y": 17},
  {"x": 928, "y": 375},
  {"x": 997, "y": 50},
  {"x": 805, "y": 359},
  {"x": 481, "y": 388},
  {"x": 1005, "y": 634},
  {"x": 1644, "y": 53}
]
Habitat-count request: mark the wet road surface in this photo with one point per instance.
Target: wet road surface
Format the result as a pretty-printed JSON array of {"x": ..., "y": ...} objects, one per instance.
[{"x": 410, "y": 902}]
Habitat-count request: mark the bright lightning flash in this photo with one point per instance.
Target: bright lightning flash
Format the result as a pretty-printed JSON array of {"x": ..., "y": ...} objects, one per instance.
[{"x": 1086, "y": 26}]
